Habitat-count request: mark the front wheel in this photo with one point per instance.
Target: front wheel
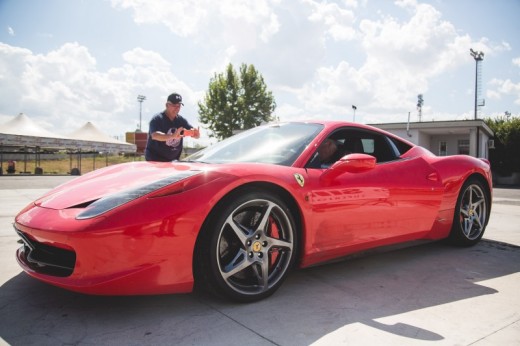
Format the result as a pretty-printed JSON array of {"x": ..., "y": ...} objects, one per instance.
[
  {"x": 471, "y": 214},
  {"x": 247, "y": 246}
]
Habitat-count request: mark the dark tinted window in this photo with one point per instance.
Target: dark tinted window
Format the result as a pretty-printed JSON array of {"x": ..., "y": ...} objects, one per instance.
[{"x": 350, "y": 141}]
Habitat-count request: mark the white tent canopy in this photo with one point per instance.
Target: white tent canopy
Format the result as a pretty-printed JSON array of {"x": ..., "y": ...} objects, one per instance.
[
  {"x": 90, "y": 137},
  {"x": 22, "y": 131}
]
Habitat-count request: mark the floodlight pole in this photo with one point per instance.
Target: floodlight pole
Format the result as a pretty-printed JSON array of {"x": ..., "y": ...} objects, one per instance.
[
  {"x": 140, "y": 99},
  {"x": 354, "y": 108},
  {"x": 478, "y": 56},
  {"x": 420, "y": 102}
]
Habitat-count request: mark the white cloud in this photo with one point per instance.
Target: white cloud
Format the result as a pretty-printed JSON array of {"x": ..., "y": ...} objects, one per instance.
[
  {"x": 66, "y": 88},
  {"x": 499, "y": 89},
  {"x": 337, "y": 21},
  {"x": 180, "y": 17},
  {"x": 425, "y": 40},
  {"x": 10, "y": 31},
  {"x": 402, "y": 56},
  {"x": 336, "y": 89},
  {"x": 219, "y": 31},
  {"x": 239, "y": 23},
  {"x": 12, "y": 66},
  {"x": 504, "y": 88},
  {"x": 318, "y": 57},
  {"x": 493, "y": 95}
]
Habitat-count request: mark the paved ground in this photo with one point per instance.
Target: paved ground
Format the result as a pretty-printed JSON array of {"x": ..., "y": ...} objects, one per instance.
[{"x": 425, "y": 295}]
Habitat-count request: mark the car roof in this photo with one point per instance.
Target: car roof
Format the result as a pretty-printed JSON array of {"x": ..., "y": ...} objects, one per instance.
[{"x": 331, "y": 124}]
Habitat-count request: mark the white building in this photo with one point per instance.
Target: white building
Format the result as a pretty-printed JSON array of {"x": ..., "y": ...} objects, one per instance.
[{"x": 468, "y": 137}]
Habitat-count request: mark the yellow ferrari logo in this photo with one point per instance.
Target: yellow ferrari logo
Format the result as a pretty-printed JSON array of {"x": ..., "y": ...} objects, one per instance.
[
  {"x": 257, "y": 246},
  {"x": 299, "y": 179}
]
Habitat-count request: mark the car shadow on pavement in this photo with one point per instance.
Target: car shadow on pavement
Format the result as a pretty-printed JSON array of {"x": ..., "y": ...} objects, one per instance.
[{"x": 311, "y": 304}]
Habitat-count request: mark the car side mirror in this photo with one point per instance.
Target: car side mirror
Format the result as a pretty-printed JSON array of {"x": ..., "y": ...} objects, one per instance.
[{"x": 352, "y": 163}]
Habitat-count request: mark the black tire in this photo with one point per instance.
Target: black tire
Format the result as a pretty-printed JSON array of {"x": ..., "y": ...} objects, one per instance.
[
  {"x": 246, "y": 247},
  {"x": 471, "y": 214}
]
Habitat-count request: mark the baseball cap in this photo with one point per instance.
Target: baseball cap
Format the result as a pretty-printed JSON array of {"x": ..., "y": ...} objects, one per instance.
[{"x": 175, "y": 98}]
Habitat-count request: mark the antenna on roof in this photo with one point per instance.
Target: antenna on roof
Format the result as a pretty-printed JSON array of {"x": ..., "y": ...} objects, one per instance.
[{"x": 408, "y": 126}]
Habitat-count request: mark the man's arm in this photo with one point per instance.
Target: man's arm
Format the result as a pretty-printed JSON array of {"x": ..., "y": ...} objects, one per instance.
[{"x": 163, "y": 137}]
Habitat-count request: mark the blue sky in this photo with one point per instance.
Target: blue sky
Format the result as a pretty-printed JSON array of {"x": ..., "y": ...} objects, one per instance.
[{"x": 66, "y": 62}]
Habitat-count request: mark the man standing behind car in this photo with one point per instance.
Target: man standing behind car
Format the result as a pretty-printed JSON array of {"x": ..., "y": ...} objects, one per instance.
[{"x": 166, "y": 132}]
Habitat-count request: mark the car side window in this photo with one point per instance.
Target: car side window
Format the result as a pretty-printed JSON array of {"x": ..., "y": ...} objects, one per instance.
[
  {"x": 385, "y": 152},
  {"x": 355, "y": 141},
  {"x": 370, "y": 143}
]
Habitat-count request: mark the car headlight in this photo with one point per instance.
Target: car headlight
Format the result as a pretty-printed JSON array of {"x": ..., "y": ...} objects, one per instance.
[{"x": 110, "y": 202}]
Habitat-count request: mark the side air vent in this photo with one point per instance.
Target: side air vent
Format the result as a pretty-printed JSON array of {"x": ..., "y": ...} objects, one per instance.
[{"x": 82, "y": 205}]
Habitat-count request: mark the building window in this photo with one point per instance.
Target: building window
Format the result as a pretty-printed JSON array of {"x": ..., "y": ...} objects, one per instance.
[
  {"x": 443, "y": 148},
  {"x": 463, "y": 147}
]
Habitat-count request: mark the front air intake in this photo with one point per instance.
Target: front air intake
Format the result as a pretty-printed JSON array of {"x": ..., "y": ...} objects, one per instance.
[{"x": 46, "y": 259}]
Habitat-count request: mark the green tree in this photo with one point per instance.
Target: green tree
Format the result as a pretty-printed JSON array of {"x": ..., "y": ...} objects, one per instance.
[
  {"x": 236, "y": 102},
  {"x": 505, "y": 158}
]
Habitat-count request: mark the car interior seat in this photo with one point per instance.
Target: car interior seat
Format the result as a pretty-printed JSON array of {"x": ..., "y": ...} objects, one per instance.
[{"x": 354, "y": 146}]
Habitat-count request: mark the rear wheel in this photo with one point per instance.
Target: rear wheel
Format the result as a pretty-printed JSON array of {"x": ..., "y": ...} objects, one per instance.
[
  {"x": 471, "y": 214},
  {"x": 247, "y": 246}
]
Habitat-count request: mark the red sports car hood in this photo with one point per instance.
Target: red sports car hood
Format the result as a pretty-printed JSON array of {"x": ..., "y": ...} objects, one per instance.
[{"x": 113, "y": 179}]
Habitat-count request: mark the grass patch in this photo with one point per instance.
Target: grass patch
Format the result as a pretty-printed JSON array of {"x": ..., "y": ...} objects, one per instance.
[{"x": 63, "y": 166}]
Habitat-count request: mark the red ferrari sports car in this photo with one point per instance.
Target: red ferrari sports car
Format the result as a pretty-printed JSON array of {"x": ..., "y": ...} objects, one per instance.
[{"x": 235, "y": 217}]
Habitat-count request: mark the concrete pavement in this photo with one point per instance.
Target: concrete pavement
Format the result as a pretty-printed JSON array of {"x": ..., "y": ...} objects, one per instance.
[{"x": 430, "y": 294}]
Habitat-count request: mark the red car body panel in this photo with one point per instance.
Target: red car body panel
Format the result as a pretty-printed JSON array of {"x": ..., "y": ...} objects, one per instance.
[{"x": 146, "y": 245}]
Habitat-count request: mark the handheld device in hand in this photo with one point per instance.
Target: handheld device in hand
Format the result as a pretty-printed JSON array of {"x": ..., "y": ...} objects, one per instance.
[{"x": 187, "y": 133}]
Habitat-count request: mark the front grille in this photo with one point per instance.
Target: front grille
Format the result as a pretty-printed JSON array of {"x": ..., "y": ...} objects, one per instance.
[{"x": 46, "y": 259}]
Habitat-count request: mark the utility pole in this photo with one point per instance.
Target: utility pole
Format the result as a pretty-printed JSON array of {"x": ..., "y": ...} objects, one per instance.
[{"x": 140, "y": 99}]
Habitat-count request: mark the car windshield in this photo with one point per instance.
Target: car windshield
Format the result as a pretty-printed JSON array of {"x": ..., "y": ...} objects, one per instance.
[{"x": 279, "y": 144}]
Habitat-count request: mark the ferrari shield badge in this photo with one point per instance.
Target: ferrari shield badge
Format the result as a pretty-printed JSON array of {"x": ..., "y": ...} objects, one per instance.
[{"x": 299, "y": 179}]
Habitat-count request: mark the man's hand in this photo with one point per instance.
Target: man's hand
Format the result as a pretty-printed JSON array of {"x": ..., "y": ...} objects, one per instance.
[
  {"x": 178, "y": 133},
  {"x": 195, "y": 133}
]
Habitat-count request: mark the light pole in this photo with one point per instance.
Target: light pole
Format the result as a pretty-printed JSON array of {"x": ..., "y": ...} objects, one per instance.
[
  {"x": 354, "y": 108},
  {"x": 478, "y": 56},
  {"x": 420, "y": 102},
  {"x": 140, "y": 99}
]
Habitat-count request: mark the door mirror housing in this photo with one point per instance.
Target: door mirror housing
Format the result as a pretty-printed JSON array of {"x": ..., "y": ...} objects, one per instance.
[{"x": 352, "y": 163}]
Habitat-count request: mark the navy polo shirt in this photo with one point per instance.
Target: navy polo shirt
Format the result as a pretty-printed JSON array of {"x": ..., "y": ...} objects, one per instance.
[{"x": 171, "y": 149}]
